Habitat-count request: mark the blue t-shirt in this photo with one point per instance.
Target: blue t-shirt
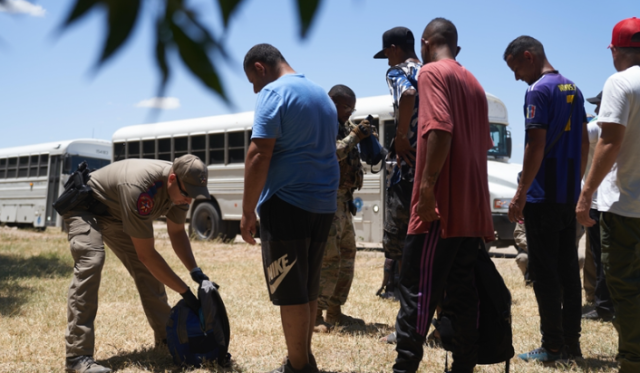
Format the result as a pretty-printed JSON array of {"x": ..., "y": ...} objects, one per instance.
[
  {"x": 548, "y": 104},
  {"x": 304, "y": 167},
  {"x": 401, "y": 78}
]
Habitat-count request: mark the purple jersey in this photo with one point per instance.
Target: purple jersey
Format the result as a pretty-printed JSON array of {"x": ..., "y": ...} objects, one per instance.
[{"x": 548, "y": 105}]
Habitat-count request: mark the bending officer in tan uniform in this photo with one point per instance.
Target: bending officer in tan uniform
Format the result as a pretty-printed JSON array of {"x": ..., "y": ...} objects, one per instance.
[{"x": 133, "y": 192}]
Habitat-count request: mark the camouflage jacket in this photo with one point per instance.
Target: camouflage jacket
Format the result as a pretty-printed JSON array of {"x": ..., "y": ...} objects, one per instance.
[{"x": 351, "y": 173}]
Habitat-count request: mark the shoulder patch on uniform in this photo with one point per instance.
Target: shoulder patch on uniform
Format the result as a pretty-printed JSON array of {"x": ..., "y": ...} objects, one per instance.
[
  {"x": 531, "y": 111},
  {"x": 145, "y": 199},
  {"x": 145, "y": 204}
]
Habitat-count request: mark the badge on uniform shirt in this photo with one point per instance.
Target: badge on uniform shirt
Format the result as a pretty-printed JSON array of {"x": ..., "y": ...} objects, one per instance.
[
  {"x": 531, "y": 111},
  {"x": 145, "y": 204},
  {"x": 145, "y": 199}
]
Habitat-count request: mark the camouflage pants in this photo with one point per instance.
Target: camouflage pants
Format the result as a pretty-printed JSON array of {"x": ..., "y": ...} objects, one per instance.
[{"x": 338, "y": 261}]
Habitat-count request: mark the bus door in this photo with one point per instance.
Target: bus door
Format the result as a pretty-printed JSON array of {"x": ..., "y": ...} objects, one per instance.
[{"x": 53, "y": 188}]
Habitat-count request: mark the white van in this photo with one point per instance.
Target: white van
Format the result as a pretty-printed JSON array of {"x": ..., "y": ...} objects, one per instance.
[{"x": 222, "y": 142}]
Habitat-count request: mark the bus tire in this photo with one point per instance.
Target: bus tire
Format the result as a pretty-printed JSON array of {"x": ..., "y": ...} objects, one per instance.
[{"x": 206, "y": 223}]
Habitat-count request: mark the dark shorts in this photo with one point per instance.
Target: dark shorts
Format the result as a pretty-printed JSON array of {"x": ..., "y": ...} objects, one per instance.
[
  {"x": 397, "y": 212},
  {"x": 293, "y": 242}
]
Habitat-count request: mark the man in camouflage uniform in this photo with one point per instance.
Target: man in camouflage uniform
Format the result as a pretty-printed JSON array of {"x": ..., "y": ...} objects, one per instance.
[
  {"x": 128, "y": 196},
  {"x": 340, "y": 251}
]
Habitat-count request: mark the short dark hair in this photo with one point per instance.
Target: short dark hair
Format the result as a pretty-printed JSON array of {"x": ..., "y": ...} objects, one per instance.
[
  {"x": 265, "y": 53},
  {"x": 524, "y": 43},
  {"x": 443, "y": 31},
  {"x": 340, "y": 90}
]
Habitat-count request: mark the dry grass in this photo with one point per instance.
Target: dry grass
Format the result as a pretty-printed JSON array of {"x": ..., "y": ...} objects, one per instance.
[{"x": 35, "y": 270}]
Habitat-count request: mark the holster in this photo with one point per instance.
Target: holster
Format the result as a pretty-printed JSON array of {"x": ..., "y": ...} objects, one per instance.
[{"x": 78, "y": 195}]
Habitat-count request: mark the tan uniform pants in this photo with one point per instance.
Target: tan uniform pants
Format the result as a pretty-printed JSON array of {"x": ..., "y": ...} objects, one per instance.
[{"x": 86, "y": 236}]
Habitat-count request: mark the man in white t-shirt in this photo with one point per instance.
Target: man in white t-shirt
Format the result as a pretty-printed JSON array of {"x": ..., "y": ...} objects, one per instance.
[{"x": 616, "y": 171}]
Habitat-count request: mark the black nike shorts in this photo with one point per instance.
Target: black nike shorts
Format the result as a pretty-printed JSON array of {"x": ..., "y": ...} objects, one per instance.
[{"x": 293, "y": 242}]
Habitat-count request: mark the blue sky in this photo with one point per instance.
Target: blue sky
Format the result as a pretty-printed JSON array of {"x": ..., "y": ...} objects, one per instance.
[{"x": 49, "y": 91}]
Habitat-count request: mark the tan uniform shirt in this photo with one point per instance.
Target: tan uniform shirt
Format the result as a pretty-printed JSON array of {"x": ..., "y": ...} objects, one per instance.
[{"x": 135, "y": 192}]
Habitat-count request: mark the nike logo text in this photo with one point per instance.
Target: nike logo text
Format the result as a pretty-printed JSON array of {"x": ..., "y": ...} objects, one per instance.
[{"x": 277, "y": 270}]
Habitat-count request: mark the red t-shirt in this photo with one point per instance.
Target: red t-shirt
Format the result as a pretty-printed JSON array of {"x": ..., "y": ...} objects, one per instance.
[{"x": 452, "y": 100}]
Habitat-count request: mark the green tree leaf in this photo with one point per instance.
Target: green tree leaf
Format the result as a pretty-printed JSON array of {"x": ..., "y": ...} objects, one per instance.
[
  {"x": 195, "y": 57},
  {"x": 122, "y": 18},
  {"x": 227, "y": 7},
  {"x": 307, "y": 9},
  {"x": 79, "y": 10}
]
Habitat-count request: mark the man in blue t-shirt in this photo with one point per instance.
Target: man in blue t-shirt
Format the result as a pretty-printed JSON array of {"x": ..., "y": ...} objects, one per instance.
[
  {"x": 556, "y": 147},
  {"x": 291, "y": 176}
]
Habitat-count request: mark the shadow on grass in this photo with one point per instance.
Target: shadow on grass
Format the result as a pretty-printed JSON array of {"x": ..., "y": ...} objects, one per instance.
[
  {"x": 159, "y": 360},
  {"x": 374, "y": 329},
  {"x": 14, "y": 270},
  {"x": 597, "y": 362}
]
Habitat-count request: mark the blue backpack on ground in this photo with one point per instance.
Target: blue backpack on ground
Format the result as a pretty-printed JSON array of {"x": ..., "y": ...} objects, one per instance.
[{"x": 193, "y": 339}]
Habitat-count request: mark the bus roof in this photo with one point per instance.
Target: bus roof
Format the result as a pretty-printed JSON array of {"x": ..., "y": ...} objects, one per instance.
[
  {"x": 57, "y": 147},
  {"x": 381, "y": 106}
]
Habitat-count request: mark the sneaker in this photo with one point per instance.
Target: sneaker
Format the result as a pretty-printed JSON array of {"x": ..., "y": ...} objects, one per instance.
[
  {"x": 541, "y": 354},
  {"x": 595, "y": 316},
  {"x": 84, "y": 364},
  {"x": 287, "y": 368},
  {"x": 312, "y": 363}
]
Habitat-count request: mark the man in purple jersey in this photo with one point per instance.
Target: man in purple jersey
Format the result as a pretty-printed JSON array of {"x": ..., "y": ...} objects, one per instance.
[{"x": 554, "y": 160}]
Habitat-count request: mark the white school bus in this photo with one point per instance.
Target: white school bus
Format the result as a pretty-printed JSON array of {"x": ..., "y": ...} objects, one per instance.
[
  {"x": 221, "y": 142},
  {"x": 32, "y": 178}
]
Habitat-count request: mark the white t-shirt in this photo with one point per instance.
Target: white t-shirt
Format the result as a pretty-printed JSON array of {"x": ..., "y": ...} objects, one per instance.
[
  {"x": 620, "y": 190},
  {"x": 594, "y": 130}
]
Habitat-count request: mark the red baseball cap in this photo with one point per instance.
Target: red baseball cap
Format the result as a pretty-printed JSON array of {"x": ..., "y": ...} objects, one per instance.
[{"x": 624, "y": 31}]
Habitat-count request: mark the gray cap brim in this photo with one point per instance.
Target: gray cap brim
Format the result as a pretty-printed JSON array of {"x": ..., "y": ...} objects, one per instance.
[{"x": 197, "y": 192}]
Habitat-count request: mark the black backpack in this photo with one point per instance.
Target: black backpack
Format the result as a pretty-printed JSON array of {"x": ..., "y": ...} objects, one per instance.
[
  {"x": 193, "y": 339},
  {"x": 495, "y": 338}
]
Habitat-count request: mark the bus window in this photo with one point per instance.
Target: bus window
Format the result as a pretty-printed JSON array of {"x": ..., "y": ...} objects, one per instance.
[
  {"x": 133, "y": 149},
  {"x": 149, "y": 149},
  {"x": 3, "y": 166},
  {"x": 498, "y": 134},
  {"x": 44, "y": 165},
  {"x": 236, "y": 147},
  {"x": 23, "y": 170},
  {"x": 118, "y": 151},
  {"x": 180, "y": 146},
  {"x": 71, "y": 163},
  {"x": 164, "y": 149},
  {"x": 199, "y": 147},
  {"x": 33, "y": 166},
  {"x": 216, "y": 148},
  {"x": 12, "y": 167}
]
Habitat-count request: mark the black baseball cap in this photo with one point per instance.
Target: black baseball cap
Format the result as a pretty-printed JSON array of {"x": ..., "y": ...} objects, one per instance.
[
  {"x": 595, "y": 100},
  {"x": 400, "y": 36}
]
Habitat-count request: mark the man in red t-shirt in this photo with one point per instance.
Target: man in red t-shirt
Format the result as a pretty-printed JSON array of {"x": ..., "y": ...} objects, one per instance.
[{"x": 450, "y": 211}]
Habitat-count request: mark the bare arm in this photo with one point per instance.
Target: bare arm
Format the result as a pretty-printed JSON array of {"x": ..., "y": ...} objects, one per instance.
[
  {"x": 604, "y": 157},
  {"x": 403, "y": 147},
  {"x": 156, "y": 264},
  {"x": 181, "y": 244},
  {"x": 256, "y": 169},
  {"x": 584, "y": 156},
  {"x": 533, "y": 156},
  {"x": 438, "y": 147}
]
